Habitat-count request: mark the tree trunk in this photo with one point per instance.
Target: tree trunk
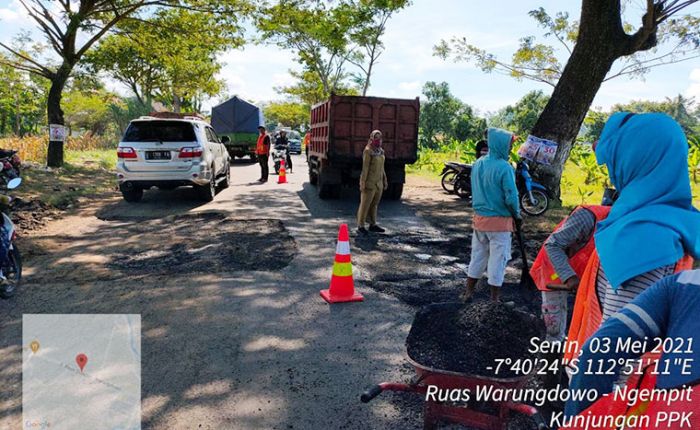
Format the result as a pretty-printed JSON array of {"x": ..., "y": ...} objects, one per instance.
[
  {"x": 177, "y": 103},
  {"x": 369, "y": 75},
  {"x": 601, "y": 41},
  {"x": 54, "y": 157}
]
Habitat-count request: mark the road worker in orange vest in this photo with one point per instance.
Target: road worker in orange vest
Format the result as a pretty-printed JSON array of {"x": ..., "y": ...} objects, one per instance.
[
  {"x": 561, "y": 263},
  {"x": 262, "y": 150}
]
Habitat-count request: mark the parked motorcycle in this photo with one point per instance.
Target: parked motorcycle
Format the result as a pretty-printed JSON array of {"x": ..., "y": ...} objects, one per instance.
[
  {"x": 450, "y": 172},
  {"x": 9, "y": 165},
  {"x": 12, "y": 268},
  {"x": 279, "y": 152},
  {"x": 534, "y": 197}
]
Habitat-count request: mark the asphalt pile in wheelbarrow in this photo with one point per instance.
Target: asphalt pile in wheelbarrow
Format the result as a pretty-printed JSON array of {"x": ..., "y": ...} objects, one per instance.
[{"x": 469, "y": 338}]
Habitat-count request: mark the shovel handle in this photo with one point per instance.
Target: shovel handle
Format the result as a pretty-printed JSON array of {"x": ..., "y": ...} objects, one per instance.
[
  {"x": 371, "y": 393},
  {"x": 560, "y": 288}
]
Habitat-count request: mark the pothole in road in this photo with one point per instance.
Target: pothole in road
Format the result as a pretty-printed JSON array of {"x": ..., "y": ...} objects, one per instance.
[
  {"x": 204, "y": 243},
  {"x": 420, "y": 266}
]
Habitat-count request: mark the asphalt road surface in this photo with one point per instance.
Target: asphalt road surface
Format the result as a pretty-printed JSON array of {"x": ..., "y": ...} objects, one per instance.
[{"x": 233, "y": 348}]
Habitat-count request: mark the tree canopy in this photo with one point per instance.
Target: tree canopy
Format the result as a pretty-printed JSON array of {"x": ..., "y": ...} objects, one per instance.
[
  {"x": 72, "y": 28},
  {"x": 328, "y": 38},
  {"x": 606, "y": 46},
  {"x": 157, "y": 61},
  {"x": 444, "y": 117}
]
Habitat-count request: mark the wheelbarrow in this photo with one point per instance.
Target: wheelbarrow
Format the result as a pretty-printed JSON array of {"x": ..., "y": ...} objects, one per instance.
[{"x": 496, "y": 415}]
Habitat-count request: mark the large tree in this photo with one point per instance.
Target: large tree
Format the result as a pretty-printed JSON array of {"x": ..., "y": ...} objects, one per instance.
[
  {"x": 367, "y": 37},
  {"x": 329, "y": 38},
  {"x": 318, "y": 32},
  {"x": 679, "y": 108},
  {"x": 444, "y": 117},
  {"x": 289, "y": 114},
  {"x": 22, "y": 102},
  {"x": 521, "y": 116},
  {"x": 602, "y": 38},
  {"x": 309, "y": 90},
  {"x": 158, "y": 61},
  {"x": 71, "y": 29}
]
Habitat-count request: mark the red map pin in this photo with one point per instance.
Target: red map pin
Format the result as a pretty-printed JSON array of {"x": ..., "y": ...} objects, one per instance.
[{"x": 81, "y": 359}]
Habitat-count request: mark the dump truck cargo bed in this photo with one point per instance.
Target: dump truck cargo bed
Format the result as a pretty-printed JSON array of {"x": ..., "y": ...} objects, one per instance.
[{"x": 340, "y": 129}]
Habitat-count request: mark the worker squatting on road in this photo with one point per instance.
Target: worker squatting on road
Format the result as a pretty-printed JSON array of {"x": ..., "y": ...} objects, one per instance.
[
  {"x": 664, "y": 320},
  {"x": 373, "y": 182},
  {"x": 496, "y": 206},
  {"x": 262, "y": 150}
]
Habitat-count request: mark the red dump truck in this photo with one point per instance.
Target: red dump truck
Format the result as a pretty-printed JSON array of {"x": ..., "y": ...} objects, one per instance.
[{"x": 340, "y": 128}]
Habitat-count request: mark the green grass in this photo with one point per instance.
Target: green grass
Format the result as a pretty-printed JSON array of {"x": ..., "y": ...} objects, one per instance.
[
  {"x": 574, "y": 189},
  {"x": 104, "y": 158},
  {"x": 84, "y": 174}
]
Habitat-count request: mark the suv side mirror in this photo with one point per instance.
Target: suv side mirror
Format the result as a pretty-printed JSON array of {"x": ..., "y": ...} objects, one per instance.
[{"x": 225, "y": 139}]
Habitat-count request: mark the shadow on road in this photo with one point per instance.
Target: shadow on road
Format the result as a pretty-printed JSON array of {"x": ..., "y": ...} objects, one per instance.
[
  {"x": 155, "y": 204},
  {"x": 346, "y": 206}
]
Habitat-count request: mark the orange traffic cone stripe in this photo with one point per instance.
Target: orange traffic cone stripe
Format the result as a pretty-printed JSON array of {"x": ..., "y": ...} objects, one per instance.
[
  {"x": 282, "y": 178},
  {"x": 342, "y": 288}
]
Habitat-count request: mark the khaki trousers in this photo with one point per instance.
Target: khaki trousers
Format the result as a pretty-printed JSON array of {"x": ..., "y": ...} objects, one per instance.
[{"x": 369, "y": 202}]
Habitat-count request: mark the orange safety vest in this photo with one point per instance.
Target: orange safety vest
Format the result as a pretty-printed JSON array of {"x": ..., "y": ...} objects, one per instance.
[
  {"x": 261, "y": 148},
  {"x": 543, "y": 272},
  {"x": 588, "y": 312}
]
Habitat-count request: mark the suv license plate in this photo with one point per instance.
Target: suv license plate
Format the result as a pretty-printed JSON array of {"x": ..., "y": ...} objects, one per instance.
[{"x": 157, "y": 155}]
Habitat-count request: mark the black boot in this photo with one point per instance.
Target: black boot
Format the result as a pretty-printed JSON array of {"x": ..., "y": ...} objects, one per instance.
[{"x": 375, "y": 228}]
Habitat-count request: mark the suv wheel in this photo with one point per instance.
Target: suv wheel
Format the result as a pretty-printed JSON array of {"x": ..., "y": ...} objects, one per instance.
[
  {"x": 227, "y": 178},
  {"x": 206, "y": 192},
  {"x": 131, "y": 193}
]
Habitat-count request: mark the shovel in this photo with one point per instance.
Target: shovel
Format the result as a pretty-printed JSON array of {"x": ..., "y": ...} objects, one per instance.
[{"x": 525, "y": 278}]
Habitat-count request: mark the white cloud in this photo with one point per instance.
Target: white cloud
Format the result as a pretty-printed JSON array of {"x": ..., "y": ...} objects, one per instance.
[
  {"x": 282, "y": 79},
  {"x": 7, "y": 15},
  {"x": 409, "y": 86},
  {"x": 693, "y": 89},
  {"x": 13, "y": 13}
]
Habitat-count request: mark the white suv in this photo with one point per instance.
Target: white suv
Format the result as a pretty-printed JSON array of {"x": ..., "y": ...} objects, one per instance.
[{"x": 167, "y": 153}]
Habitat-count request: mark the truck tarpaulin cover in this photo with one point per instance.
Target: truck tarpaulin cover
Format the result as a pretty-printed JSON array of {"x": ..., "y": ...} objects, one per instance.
[{"x": 236, "y": 116}]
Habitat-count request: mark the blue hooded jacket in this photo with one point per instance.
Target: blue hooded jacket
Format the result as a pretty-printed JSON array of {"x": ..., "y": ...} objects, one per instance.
[
  {"x": 493, "y": 179},
  {"x": 653, "y": 222}
]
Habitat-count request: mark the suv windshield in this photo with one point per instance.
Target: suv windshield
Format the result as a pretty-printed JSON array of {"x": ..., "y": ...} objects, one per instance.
[{"x": 150, "y": 131}]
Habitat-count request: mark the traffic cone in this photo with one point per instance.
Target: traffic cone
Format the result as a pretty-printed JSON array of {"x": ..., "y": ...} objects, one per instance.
[
  {"x": 342, "y": 287},
  {"x": 282, "y": 178}
]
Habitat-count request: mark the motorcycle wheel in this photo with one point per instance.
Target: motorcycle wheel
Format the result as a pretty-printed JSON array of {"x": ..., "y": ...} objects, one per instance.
[
  {"x": 13, "y": 272},
  {"x": 448, "y": 181},
  {"x": 537, "y": 206},
  {"x": 277, "y": 168},
  {"x": 463, "y": 189}
]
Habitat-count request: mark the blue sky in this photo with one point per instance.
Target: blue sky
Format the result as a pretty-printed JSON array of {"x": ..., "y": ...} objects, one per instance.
[{"x": 408, "y": 62}]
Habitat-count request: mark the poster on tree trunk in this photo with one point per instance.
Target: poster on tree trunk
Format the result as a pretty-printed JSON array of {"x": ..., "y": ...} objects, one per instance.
[
  {"x": 538, "y": 150},
  {"x": 57, "y": 133}
]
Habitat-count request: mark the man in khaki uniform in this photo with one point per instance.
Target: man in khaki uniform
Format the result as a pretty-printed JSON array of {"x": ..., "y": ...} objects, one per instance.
[{"x": 373, "y": 182}]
